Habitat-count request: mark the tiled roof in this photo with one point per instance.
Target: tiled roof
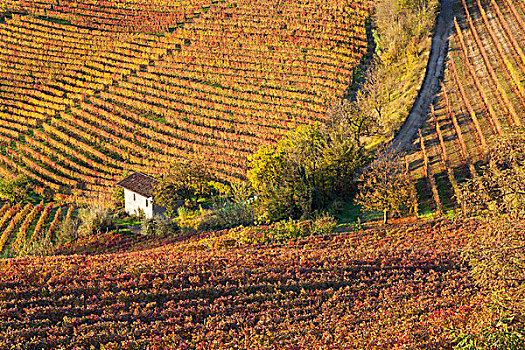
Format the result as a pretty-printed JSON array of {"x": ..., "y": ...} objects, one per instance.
[{"x": 139, "y": 183}]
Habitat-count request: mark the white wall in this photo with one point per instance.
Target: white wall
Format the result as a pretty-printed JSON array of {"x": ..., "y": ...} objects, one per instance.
[{"x": 133, "y": 204}]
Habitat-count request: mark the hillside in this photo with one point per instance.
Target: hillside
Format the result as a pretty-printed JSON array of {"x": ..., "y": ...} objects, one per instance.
[
  {"x": 393, "y": 288},
  {"x": 480, "y": 97},
  {"x": 81, "y": 104},
  {"x": 91, "y": 91}
]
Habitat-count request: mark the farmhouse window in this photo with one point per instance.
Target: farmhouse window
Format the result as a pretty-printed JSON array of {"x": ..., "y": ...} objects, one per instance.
[
  {"x": 147, "y": 202},
  {"x": 134, "y": 197}
]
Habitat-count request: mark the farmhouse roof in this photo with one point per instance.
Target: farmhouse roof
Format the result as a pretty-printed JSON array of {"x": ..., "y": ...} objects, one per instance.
[{"x": 139, "y": 183}]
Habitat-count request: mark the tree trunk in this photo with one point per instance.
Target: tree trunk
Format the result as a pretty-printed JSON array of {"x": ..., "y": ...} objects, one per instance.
[{"x": 385, "y": 216}]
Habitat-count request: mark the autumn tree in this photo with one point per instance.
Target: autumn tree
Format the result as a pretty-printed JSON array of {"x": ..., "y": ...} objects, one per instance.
[
  {"x": 496, "y": 255},
  {"x": 361, "y": 117},
  {"x": 184, "y": 184},
  {"x": 400, "y": 30},
  {"x": 385, "y": 185},
  {"x": 399, "y": 23},
  {"x": 496, "y": 251},
  {"x": 500, "y": 190}
]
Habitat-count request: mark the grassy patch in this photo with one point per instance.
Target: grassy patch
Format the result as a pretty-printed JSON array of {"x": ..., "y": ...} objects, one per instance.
[
  {"x": 129, "y": 221},
  {"x": 350, "y": 213},
  {"x": 426, "y": 214}
]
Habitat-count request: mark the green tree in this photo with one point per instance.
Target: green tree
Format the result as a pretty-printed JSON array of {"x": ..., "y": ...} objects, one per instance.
[
  {"x": 385, "y": 185},
  {"x": 309, "y": 168},
  {"x": 184, "y": 184}
]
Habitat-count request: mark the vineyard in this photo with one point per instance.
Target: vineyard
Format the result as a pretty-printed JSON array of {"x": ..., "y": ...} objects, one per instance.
[
  {"x": 117, "y": 16},
  {"x": 93, "y": 90},
  {"x": 482, "y": 94},
  {"x": 395, "y": 288},
  {"x": 82, "y": 103},
  {"x": 22, "y": 226}
]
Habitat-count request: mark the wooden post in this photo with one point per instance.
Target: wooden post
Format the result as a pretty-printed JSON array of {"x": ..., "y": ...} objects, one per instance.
[
  {"x": 444, "y": 158},
  {"x": 508, "y": 105},
  {"x": 493, "y": 117},
  {"x": 440, "y": 135},
  {"x": 430, "y": 177},
  {"x": 466, "y": 102},
  {"x": 452, "y": 116},
  {"x": 413, "y": 189}
]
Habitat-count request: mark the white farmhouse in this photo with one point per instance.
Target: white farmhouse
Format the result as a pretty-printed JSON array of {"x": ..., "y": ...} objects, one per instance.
[{"x": 138, "y": 195}]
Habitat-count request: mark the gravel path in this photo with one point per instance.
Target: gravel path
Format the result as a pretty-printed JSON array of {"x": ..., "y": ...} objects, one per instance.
[{"x": 430, "y": 87}]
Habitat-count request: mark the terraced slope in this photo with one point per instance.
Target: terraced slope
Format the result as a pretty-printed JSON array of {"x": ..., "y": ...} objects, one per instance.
[
  {"x": 483, "y": 92},
  {"x": 82, "y": 106}
]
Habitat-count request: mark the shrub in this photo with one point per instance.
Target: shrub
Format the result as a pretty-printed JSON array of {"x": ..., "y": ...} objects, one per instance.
[
  {"x": 67, "y": 229},
  {"x": 40, "y": 248},
  {"x": 15, "y": 189},
  {"x": 249, "y": 235},
  {"x": 503, "y": 334},
  {"x": 230, "y": 215},
  {"x": 323, "y": 225},
  {"x": 501, "y": 188},
  {"x": 496, "y": 254},
  {"x": 158, "y": 226},
  {"x": 279, "y": 231},
  {"x": 227, "y": 216},
  {"x": 188, "y": 219},
  {"x": 94, "y": 219},
  {"x": 148, "y": 226},
  {"x": 290, "y": 229}
]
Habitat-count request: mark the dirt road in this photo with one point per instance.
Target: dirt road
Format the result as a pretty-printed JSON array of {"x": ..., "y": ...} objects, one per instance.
[{"x": 430, "y": 87}]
